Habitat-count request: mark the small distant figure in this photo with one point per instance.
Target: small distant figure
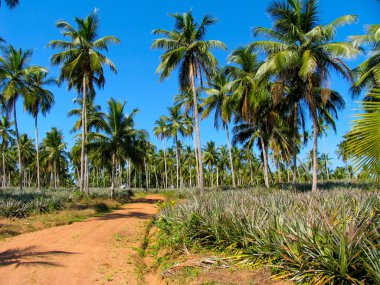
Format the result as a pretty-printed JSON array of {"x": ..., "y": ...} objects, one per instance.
[{"x": 125, "y": 186}]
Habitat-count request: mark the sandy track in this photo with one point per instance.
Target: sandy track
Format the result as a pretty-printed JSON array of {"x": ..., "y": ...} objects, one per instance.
[{"x": 96, "y": 251}]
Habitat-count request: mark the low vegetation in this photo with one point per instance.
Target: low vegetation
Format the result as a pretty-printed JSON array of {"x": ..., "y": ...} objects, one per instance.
[{"x": 328, "y": 237}]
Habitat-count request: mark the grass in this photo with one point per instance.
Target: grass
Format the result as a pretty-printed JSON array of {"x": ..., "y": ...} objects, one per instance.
[{"x": 332, "y": 237}]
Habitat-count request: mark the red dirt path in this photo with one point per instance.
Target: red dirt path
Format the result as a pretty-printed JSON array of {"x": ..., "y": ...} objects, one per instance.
[{"x": 96, "y": 251}]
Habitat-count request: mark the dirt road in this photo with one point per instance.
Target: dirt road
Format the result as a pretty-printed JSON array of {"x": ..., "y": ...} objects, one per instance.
[{"x": 96, "y": 251}]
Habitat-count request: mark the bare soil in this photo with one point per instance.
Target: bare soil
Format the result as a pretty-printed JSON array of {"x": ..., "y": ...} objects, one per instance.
[{"x": 99, "y": 250}]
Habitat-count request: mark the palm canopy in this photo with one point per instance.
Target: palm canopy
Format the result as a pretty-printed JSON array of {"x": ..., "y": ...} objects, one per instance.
[
  {"x": 368, "y": 73},
  {"x": 38, "y": 98},
  {"x": 185, "y": 46},
  {"x": 118, "y": 136},
  {"x": 363, "y": 145},
  {"x": 160, "y": 129},
  {"x": 217, "y": 97},
  {"x": 81, "y": 54},
  {"x": 11, "y": 3},
  {"x": 14, "y": 74},
  {"x": 94, "y": 115}
]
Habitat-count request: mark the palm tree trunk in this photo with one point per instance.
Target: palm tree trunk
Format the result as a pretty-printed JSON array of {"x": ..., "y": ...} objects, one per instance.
[
  {"x": 55, "y": 174},
  {"x": 190, "y": 184},
  {"x": 37, "y": 154},
  {"x": 113, "y": 176},
  {"x": 230, "y": 155},
  {"x": 197, "y": 130},
  {"x": 18, "y": 146},
  {"x": 86, "y": 173},
  {"x": 196, "y": 160},
  {"x": 166, "y": 167},
  {"x": 294, "y": 146},
  {"x": 82, "y": 154},
  {"x": 4, "y": 175},
  {"x": 313, "y": 108},
  {"x": 265, "y": 157},
  {"x": 177, "y": 158}
]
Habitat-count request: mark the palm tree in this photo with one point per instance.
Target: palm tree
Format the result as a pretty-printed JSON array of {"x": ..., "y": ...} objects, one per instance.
[
  {"x": 82, "y": 64},
  {"x": 186, "y": 49},
  {"x": 6, "y": 134},
  {"x": 28, "y": 153},
  {"x": 119, "y": 140},
  {"x": 39, "y": 100},
  {"x": 177, "y": 125},
  {"x": 368, "y": 73},
  {"x": 251, "y": 101},
  {"x": 306, "y": 54},
  {"x": 160, "y": 130},
  {"x": 11, "y": 3},
  {"x": 14, "y": 81},
  {"x": 216, "y": 101},
  {"x": 54, "y": 155},
  {"x": 210, "y": 155}
]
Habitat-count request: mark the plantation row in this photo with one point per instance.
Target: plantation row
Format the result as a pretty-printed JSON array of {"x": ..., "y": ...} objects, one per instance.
[
  {"x": 20, "y": 205},
  {"x": 331, "y": 237}
]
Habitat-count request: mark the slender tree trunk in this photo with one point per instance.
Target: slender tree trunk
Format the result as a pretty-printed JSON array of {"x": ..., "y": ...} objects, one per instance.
[
  {"x": 177, "y": 160},
  {"x": 18, "y": 147},
  {"x": 82, "y": 155},
  {"x": 196, "y": 160},
  {"x": 86, "y": 174},
  {"x": 113, "y": 176},
  {"x": 55, "y": 174},
  {"x": 315, "y": 137},
  {"x": 265, "y": 157},
  {"x": 197, "y": 130},
  {"x": 230, "y": 155},
  {"x": 37, "y": 153},
  {"x": 4, "y": 175},
  {"x": 190, "y": 184},
  {"x": 294, "y": 146},
  {"x": 166, "y": 167}
]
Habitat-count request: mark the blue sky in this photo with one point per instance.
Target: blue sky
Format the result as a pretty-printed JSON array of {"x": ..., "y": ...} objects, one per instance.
[{"x": 32, "y": 25}]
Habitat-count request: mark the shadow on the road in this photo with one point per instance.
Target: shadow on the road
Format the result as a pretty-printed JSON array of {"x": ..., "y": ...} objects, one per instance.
[
  {"x": 115, "y": 216},
  {"x": 147, "y": 200},
  {"x": 29, "y": 256}
]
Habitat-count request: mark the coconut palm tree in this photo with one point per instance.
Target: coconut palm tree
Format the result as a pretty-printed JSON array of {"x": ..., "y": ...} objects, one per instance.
[
  {"x": 38, "y": 100},
  {"x": 251, "y": 100},
  {"x": 216, "y": 101},
  {"x": 28, "y": 155},
  {"x": 186, "y": 48},
  {"x": 82, "y": 64},
  {"x": 160, "y": 130},
  {"x": 119, "y": 140},
  {"x": 177, "y": 125},
  {"x": 54, "y": 155},
  {"x": 307, "y": 54},
  {"x": 210, "y": 157},
  {"x": 368, "y": 73},
  {"x": 6, "y": 134},
  {"x": 14, "y": 71}
]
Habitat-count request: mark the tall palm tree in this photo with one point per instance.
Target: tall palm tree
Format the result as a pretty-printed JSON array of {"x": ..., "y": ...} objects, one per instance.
[
  {"x": 177, "y": 125},
  {"x": 6, "y": 134},
  {"x": 82, "y": 64},
  {"x": 118, "y": 139},
  {"x": 251, "y": 101},
  {"x": 307, "y": 53},
  {"x": 210, "y": 155},
  {"x": 14, "y": 71},
  {"x": 28, "y": 155},
  {"x": 53, "y": 154},
  {"x": 216, "y": 101},
  {"x": 160, "y": 130},
  {"x": 186, "y": 48},
  {"x": 38, "y": 100}
]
